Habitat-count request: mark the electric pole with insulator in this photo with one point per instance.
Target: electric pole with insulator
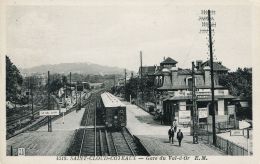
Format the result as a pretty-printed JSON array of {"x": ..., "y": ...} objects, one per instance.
[
  {"x": 212, "y": 81},
  {"x": 209, "y": 23}
]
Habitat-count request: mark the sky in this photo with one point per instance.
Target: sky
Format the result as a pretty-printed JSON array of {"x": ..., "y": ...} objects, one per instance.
[{"x": 114, "y": 35}]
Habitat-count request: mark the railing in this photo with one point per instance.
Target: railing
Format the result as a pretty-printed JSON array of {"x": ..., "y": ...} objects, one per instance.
[
  {"x": 220, "y": 126},
  {"x": 228, "y": 147},
  {"x": 142, "y": 105},
  {"x": 231, "y": 148}
]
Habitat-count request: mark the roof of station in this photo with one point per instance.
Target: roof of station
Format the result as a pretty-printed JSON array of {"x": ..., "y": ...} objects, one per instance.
[
  {"x": 110, "y": 100},
  {"x": 217, "y": 66},
  {"x": 168, "y": 61}
]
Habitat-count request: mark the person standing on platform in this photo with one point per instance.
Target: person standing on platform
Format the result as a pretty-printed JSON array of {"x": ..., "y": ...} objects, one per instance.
[
  {"x": 179, "y": 136},
  {"x": 161, "y": 117},
  {"x": 171, "y": 134},
  {"x": 174, "y": 124}
]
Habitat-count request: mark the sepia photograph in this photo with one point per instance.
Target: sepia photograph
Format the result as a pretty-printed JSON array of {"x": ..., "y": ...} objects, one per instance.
[{"x": 147, "y": 80}]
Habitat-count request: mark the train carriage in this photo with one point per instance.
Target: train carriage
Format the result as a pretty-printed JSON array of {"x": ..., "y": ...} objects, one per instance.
[{"x": 114, "y": 111}]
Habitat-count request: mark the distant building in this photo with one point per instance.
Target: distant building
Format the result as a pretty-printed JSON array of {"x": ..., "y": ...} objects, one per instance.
[
  {"x": 95, "y": 85},
  {"x": 121, "y": 81},
  {"x": 42, "y": 80},
  {"x": 146, "y": 70},
  {"x": 39, "y": 79}
]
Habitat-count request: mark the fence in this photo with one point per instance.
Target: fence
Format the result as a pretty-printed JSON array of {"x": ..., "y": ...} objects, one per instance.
[
  {"x": 220, "y": 126},
  {"x": 231, "y": 148},
  {"x": 228, "y": 147},
  {"x": 142, "y": 105}
]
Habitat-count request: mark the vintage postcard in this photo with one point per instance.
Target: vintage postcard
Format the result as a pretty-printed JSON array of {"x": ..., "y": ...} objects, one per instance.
[{"x": 129, "y": 81}]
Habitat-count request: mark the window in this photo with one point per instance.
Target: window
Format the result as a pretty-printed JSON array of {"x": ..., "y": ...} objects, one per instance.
[{"x": 189, "y": 82}]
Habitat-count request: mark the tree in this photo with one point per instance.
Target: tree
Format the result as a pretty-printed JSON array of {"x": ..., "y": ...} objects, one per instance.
[
  {"x": 14, "y": 81},
  {"x": 64, "y": 80},
  {"x": 146, "y": 86},
  {"x": 55, "y": 85},
  {"x": 239, "y": 84},
  {"x": 131, "y": 88}
]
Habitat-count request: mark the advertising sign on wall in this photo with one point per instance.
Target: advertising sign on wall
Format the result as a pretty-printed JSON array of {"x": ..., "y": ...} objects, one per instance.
[
  {"x": 231, "y": 109},
  {"x": 182, "y": 105},
  {"x": 237, "y": 132},
  {"x": 203, "y": 112},
  {"x": 184, "y": 116}
]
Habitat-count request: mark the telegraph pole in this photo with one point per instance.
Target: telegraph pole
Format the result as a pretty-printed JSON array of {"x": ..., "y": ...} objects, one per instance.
[
  {"x": 141, "y": 63},
  {"x": 76, "y": 92},
  {"x": 70, "y": 89},
  {"x": 212, "y": 81},
  {"x": 66, "y": 88},
  {"x": 194, "y": 108},
  {"x": 32, "y": 97},
  {"x": 209, "y": 23},
  {"x": 80, "y": 95},
  {"x": 114, "y": 81},
  {"x": 28, "y": 93},
  {"x": 80, "y": 100},
  {"x": 49, "y": 117},
  {"x": 141, "y": 74},
  {"x": 125, "y": 84}
]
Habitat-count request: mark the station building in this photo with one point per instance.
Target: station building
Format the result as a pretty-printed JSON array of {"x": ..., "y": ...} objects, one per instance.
[{"x": 174, "y": 90}]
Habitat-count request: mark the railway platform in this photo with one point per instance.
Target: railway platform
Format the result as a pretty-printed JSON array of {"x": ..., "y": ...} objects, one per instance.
[
  {"x": 71, "y": 122},
  {"x": 44, "y": 143},
  {"x": 154, "y": 136}
]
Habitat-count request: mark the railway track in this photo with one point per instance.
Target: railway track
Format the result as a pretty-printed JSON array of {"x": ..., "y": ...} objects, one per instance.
[
  {"x": 14, "y": 119},
  {"x": 13, "y": 129},
  {"x": 104, "y": 143},
  {"x": 24, "y": 123},
  {"x": 90, "y": 108},
  {"x": 87, "y": 142},
  {"x": 11, "y": 121},
  {"x": 122, "y": 142},
  {"x": 100, "y": 142}
]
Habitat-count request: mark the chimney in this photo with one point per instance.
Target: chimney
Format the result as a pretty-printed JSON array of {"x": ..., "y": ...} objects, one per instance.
[
  {"x": 198, "y": 64},
  {"x": 207, "y": 76},
  {"x": 166, "y": 78},
  {"x": 174, "y": 72}
]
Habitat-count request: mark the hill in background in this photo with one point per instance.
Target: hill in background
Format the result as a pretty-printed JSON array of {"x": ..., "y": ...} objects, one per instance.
[{"x": 82, "y": 68}]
